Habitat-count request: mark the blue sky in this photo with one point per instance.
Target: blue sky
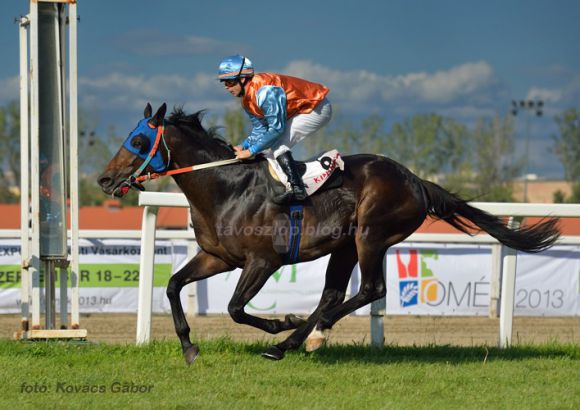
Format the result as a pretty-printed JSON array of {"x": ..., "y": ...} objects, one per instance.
[{"x": 465, "y": 59}]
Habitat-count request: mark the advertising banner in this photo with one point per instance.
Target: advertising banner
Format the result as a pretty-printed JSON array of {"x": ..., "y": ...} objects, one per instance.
[
  {"x": 108, "y": 275},
  {"x": 422, "y": 279},
  {"x": 440, "y": 279}
]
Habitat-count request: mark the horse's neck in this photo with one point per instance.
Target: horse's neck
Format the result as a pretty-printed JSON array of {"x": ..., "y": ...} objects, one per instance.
[{"x": 214, "y": 195}]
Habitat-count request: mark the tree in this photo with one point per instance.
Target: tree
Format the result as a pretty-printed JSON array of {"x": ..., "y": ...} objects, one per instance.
[
  {"x": 236, "y": 126},
  {"x": 494, "y": 166},
  {"x": 10, "y": 143},
  {"x": 428, "y": 144},
  {"x": 567, "y": 148}
]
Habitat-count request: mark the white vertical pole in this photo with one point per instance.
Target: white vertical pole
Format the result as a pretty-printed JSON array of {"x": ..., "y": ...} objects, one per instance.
[
  {"x": 494, "y": 291},
  {"x": 192, "y": 305},
  {"x": 146, "y": 267},
  {"x": 34, "y": 267},
  {"x": 508, "y": 289},
  {"x": 74, "y": 165},
  {"x": 24, "y": 175},
  {"x": 378, "y": 308}
]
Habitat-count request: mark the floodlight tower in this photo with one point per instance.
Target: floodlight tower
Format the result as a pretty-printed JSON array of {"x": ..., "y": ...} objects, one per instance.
[{"x": 531, "y": 108}]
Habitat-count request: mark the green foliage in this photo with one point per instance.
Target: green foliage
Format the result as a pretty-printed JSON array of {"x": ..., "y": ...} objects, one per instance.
[
  {"x": 567, "y": 143},
  {"x": 475, "y": 162},
  {"x": 494, "y": 167},
  {"x": 10, "y": 160},
  {"x": 235, "y": 125},
  {"x": 559, "y": 197},
  {"x": 233, "y": 375},
  {"x": 574, "y": 198}
]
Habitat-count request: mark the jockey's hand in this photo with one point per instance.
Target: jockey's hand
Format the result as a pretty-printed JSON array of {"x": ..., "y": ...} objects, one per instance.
[
  {"x": 238, "y": 148},
  {"x": 243, "y": 154}
]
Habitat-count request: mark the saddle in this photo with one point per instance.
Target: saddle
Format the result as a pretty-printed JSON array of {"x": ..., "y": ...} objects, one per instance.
[{"x": 319, "y": 174}]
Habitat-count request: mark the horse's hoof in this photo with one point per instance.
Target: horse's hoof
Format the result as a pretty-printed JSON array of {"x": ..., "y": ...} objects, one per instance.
[
  {"x": 315, "y": 340},
  {"x": 294, "y": 320},
  {"x": 191, "y": 354},
  {"x": 273, "y": 353}
]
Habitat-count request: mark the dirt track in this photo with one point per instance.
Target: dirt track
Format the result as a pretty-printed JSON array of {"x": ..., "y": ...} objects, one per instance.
[{"x": 399, "y": 330}]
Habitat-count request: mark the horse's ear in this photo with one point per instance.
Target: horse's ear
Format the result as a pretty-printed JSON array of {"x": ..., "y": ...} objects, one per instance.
[
  {"x": 157, "y": 119},
  {"x": 148, "y": 111}
]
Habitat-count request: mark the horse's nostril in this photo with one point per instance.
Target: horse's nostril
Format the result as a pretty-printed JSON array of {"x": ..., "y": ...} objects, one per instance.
[{"x": 104, "y": 181}]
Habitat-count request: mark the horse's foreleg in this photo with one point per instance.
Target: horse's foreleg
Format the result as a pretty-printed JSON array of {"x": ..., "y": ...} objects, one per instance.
[
  {"x": 202, "y": 266},
  {"x": 338, "y": 274},
  {"x": 255, "y": 274}
]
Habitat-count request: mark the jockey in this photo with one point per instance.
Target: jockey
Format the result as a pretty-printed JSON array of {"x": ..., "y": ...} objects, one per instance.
[{"x": 283, "y": 111}]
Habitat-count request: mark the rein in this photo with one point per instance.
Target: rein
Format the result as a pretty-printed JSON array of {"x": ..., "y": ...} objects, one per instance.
[
  {"x": 136, "y": 178},
  {"x": 214, "y": 164}
]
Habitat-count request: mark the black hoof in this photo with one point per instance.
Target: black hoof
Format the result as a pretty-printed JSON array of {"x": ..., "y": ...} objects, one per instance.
[
  {"x": 273, "y": 353},
  {"x": 191, "y": 354}
]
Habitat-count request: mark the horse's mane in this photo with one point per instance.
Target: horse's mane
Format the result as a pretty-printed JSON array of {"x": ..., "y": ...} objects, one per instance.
[{"x": 193, "y": 122}]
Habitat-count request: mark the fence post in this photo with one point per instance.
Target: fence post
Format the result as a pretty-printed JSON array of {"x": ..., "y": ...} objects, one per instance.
[
  {"x": 192, "y": 250},
  {"x": 494, "y": 289},
  {"x": 378, "y": 308},
  {"x": 508, "y": 290},
  {"x": 146, "y": 268}
]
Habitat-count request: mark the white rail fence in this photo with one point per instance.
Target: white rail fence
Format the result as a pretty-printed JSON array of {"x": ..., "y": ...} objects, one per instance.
[{"x": 504, "y": 265}]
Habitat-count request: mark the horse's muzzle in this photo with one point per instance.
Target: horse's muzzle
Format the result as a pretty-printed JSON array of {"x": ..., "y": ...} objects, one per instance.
[{"x": 107, "y": 183}]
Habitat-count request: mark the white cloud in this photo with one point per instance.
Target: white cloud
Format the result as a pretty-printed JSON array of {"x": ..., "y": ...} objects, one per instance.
[
  {"x": 156, "y": 43},
  {"x": 545, "y": 94},
  {"x": 437, "y": 88},
  {"x": 124, "y": 91},
  {"x": 9, "y": 89}
]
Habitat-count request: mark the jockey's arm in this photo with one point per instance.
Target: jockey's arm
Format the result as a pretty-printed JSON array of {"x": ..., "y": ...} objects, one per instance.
[{"x": 267, "y": 130}]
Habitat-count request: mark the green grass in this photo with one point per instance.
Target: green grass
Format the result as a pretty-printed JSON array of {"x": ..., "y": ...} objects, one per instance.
[{"x": 230, "y": 375}]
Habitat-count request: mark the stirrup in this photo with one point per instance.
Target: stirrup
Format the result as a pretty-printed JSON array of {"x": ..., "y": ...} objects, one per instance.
[
  {"x": 288, "y": 197},
  {"x": 284, "y": 198}
]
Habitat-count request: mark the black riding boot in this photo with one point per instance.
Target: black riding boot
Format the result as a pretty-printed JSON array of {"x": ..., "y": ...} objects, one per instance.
[{"x": 297, "y": 192}]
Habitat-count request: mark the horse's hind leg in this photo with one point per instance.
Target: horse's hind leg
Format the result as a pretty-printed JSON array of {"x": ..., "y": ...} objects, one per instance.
[
  {"x": 202, "y": 266},
  {"x": 338, "y": 272},
  {"x": 372, "y": 286}
]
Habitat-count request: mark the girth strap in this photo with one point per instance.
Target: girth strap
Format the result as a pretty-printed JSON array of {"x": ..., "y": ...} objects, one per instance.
[{"x": 296, "y": 217}]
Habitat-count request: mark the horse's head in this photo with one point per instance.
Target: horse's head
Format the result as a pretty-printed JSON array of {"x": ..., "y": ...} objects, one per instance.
[{"x": 138, "y": 154}]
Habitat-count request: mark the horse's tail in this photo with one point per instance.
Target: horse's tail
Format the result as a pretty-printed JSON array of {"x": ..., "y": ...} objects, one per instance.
[{"x": 448, "y": 207}]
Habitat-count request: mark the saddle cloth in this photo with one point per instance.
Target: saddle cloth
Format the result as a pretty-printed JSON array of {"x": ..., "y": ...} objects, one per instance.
[{"x": 314, "y": 173}]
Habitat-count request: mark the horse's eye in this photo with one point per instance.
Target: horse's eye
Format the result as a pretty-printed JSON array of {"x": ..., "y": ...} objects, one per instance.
[{"x": 140, "y": 143}]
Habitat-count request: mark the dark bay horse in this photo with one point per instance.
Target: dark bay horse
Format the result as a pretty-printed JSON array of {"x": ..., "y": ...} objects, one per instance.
[{"x": 379, "y": 204}]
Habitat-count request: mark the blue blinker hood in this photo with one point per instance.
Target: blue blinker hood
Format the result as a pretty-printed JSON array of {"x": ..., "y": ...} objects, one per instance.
[{"x": 149, "y": 133}]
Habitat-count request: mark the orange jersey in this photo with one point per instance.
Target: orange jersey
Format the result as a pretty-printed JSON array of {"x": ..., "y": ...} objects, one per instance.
[{"x": 301, "y": 96}]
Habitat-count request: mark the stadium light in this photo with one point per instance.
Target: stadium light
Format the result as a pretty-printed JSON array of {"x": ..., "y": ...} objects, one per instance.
[{"x": 531, "y": 107}]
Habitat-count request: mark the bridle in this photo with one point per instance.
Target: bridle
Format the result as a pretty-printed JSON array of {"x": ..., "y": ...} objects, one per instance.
[{"x": 135, "y": 179}]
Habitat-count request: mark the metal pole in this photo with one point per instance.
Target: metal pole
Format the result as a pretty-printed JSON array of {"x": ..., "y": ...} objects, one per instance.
[
  {"x": 34, "y": 267},
  {"x": 74, "y": 165},
  {"x": 49, "y": 297},
  {"x": 24, "y": 176},
  {"x": 63, "y": 282},
  {"x": 527, "y": 156}
]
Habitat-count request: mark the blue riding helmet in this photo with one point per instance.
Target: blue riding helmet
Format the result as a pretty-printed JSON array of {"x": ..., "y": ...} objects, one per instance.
[
  {"x": 148, "y": 136},
  {"x": 235, "y": 66}
]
